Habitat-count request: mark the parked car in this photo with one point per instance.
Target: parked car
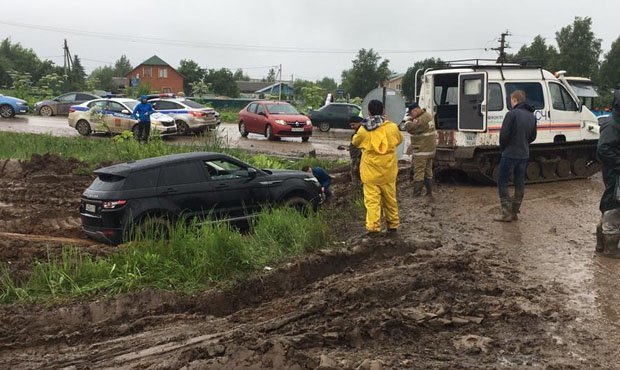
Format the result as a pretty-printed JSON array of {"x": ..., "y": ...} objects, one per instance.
[
  {"x": 60, "y": 105},
  {"x": 10, "y": 106},
  {"x": 163, "y": 190},
  {"x": 114, "y": 115},
  {"x": 190, "y": 116},
  {"x": 604, "y": 118},
  {"x": 274, "y": 119},
  {"x": 334, "y": 115}
]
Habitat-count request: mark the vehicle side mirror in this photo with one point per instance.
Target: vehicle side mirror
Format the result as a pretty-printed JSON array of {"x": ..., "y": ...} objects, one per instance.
[
  {"x": 262, "y": 114},
  {"x": 125, "y": 111},
  {"x": 252, "y": 172}
]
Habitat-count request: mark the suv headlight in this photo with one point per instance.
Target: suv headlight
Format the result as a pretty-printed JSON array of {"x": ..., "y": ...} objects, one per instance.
[
  {"x": 280, "y": 122},
  {"x": 308, "y": 122}
]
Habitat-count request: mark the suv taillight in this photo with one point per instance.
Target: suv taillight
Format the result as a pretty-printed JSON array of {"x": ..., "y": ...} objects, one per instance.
[
  {"x": 71, "y": 110},
  {"x": 197, "y": 113},
  {"x": 111, "y": 204}
]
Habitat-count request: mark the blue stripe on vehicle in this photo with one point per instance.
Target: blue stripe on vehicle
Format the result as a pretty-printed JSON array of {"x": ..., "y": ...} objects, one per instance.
[
  {"x": 82, "y": 109},
  {"x": 172, "y": 111}
]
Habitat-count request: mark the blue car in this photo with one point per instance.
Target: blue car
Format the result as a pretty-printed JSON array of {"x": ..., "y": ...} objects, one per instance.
[{"x": 10, "y": 106}]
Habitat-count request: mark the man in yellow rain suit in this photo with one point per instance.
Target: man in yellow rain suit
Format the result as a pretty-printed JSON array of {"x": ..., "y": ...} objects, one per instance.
[{"x": 378, "y": 139}]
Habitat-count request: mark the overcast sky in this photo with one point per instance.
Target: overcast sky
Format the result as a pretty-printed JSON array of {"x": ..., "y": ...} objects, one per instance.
[{"x": 310, "y": 38}]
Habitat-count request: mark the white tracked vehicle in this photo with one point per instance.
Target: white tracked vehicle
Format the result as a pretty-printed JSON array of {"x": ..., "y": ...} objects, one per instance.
[{"x": 469, "y": 100}]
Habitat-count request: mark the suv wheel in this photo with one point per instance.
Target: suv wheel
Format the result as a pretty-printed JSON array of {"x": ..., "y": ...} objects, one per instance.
[
  {"x": 83, "y": 127},
  {"x": 324, "y": 126},
  {"x": 243, "y": 130},
  {"x": 269, "y": 133},
  {"x": 303, "y": 205},
  {"x": 152, "y": 228},
  {"x": 46, "y": 111}
]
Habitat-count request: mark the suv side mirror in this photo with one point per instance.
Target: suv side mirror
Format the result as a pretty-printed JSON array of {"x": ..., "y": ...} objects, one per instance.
[
  {"x": 262, "y": 114},
  {"x": 252, "y": 172}
]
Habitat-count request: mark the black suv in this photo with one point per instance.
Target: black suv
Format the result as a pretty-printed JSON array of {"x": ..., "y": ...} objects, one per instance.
[{"x": 188, "y": 185}]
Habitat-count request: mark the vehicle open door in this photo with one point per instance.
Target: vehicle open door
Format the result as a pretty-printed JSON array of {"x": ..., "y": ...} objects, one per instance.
[{"x": 472, "y": 102}]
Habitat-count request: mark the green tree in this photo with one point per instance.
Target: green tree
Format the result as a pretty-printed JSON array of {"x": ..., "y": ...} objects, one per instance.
[
  {"x": 313, "y": 96},
  {"x": 191, "y": 73},
  {"x": 367, "y": 73},
  {"x": 328, "y": 84},
  {"x": 101, "y": 79},
  {"x": 21, "y": 84},
  {"x": 222, "y": 82},
  {"x": 271, "y": 76},
  {"x": 200, "y": 88},
  {"x": 409, "y": 77},
  {"x": 579, "y": 49},
  {"x": 50, "y": 84},
  {"x": 77, "y": 77},
  {"x": 14, "y": 57},
  {"x": 239, "y": 76},
  {"x": 538, "y": 51},
  {"x": 122, "y": 66},
  {"x": 610, "y": 68}
]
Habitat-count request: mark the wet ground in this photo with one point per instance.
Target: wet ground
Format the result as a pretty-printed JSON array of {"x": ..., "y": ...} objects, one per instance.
[
  {"x": 452, "y": 290},
  {"x": 323, "y": 144}
]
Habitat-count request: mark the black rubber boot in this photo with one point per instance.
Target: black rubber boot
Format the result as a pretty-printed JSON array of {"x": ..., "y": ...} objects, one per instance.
[
  {"x": 417, "y": 188},
  {"x": 516, "y": 206},
  {"x": 428, "y": 183}
]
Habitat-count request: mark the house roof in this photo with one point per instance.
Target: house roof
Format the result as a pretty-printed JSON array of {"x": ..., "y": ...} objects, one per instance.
[
  {"x": 154, "y": 61},
  {"x": 251, "y": 86},
  {"x": 273, "y": 86},
  {"x": 395, "y": 76}
]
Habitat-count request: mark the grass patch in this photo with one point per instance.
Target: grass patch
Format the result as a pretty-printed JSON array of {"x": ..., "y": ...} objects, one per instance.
[
  {"x": 193, "y": 258},
  {"x": 229, "y": 115},
  {"x": 121, "y": 148}
]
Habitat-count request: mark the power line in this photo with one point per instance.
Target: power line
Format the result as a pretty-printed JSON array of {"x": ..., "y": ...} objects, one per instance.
[{"x": 244, "y": 47}]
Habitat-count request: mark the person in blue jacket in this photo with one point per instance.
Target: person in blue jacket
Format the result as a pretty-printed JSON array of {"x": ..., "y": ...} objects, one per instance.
[
  {"x": 324, "y": 179},
  {"x": 142, "y": 112}
]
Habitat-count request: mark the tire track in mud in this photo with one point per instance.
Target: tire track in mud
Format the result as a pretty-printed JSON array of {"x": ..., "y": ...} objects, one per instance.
[{"x": 46, "y": 239}]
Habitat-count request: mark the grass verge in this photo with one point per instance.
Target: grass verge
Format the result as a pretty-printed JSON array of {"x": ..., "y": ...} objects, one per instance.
[{"x": 193, "y": 257}]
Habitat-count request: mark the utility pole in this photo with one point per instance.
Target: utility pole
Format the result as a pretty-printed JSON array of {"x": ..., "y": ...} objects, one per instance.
[
  {"x": 280, "y": 75},
  {"x": 503, "y": 45},
  {"x": 68, "y": 61}
]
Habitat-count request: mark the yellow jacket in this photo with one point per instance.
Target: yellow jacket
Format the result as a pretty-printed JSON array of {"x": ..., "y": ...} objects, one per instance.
[
  {"x": 423, "y": 136},
  {"x": 379, "y": 165}
]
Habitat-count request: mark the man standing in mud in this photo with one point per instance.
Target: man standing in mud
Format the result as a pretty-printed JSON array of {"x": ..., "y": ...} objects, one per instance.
[
  {"x": 378, "y": 139},
  {"x": 517, "y": 133},
  {"x": 143, "y": 112},
  {"x": 422, "y": 148}
]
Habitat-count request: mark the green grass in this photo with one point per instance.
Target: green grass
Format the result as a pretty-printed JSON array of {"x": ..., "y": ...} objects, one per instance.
[
  {"x": 229, "y": 115},
  {"x": 193, "y": 258},
  {"x": 123, "y": 148}
]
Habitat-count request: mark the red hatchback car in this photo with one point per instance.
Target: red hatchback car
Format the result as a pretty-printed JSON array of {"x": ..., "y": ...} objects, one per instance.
[{"x": 274, "y": 119}]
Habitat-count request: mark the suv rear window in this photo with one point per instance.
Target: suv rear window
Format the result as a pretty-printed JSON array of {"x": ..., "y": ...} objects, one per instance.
[
  {"x": 107, "y": 182},
  {"x": 142, "y": 179}
]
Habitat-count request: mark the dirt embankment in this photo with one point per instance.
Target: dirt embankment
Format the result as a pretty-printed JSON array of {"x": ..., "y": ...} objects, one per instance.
[{"x": 452, "y": 290}]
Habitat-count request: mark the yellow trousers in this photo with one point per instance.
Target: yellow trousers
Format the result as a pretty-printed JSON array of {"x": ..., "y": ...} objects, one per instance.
[{"x": 377, "y": 199}]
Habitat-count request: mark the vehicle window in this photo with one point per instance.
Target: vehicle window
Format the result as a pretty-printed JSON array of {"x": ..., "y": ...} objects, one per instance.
[
  {"x": 472, "y": 86},
  {"x": 252, "y": 108},
  {"x": 131, "y": 104},
  {"x": 142, "y": 179},
  {"x": 354, "y": 110},
  {"x": 66, "y": 98},
  {"x": 281, "y": 109},
  {"x": 496, "y": 100},
  {"x": 569, "y": 103},
  {"x": 328, "y": 108},
  {"x": 342, "y": 109},
  {"x": 452, "y": 96},
  {"x": 181, "y": 173},
  {"x": 556, "y": 97},
  {"x": 165, "y": 105},
  {"x": 101, "y": 104},
  {"x": 193, "y": 104},
  {"x": 260, "y": 109},
  {"x": 84, "y": 97},
  {"x": 115, "y": 107},
  {"x": 106, "y": 181},
  {"x": 221, "y": 169},
  {"x": 533, "y": 93}
]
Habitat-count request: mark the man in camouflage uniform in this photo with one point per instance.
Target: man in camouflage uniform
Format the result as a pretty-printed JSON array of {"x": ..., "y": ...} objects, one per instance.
[{"x": 422, "y": 148}]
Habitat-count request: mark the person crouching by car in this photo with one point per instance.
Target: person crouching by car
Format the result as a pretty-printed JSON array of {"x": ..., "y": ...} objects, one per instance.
[
  {"x": 142, "y": 112},
  {"x": 323, "y": 177}
]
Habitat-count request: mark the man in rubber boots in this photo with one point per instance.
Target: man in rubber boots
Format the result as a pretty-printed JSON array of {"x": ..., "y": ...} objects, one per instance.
[
  {"x": 608, "y": 152},
  {"x": 422, "y": 148},
  {"x": 378, "y": 139},
  {"x": 143, "y": 112},
  {"x": 517, "y": 133}
]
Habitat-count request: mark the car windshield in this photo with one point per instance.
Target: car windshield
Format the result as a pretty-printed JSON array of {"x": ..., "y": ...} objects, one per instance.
[
  {"x": 281, "y": 109},
  {"x": 193, "y": 104},
  {"x": 131, "y": 104}
]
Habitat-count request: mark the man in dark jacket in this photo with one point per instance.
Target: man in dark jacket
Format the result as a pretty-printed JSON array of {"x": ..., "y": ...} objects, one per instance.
[
  {"x": 143, "y": 112},
  {"x": 323, "y": 177},
  {"x": 517, "y": 133}
]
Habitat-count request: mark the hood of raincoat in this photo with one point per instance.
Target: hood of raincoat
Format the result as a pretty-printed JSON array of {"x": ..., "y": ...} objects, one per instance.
[{"x": 378, "y": 138}]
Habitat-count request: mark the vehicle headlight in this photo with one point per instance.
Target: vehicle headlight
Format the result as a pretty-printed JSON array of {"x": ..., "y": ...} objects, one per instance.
[
  {"x": 280, "y": 122},
  {"x": 308, "y": 122}
]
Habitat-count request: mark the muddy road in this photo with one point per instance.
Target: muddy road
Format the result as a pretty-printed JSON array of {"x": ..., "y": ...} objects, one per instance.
[
  {"x": 325, "y": 144},
  {"x": 452, "y": 290}
]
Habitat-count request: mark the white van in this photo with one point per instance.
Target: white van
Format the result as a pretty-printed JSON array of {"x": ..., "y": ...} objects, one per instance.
[{"x": 469, "y": 103}]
